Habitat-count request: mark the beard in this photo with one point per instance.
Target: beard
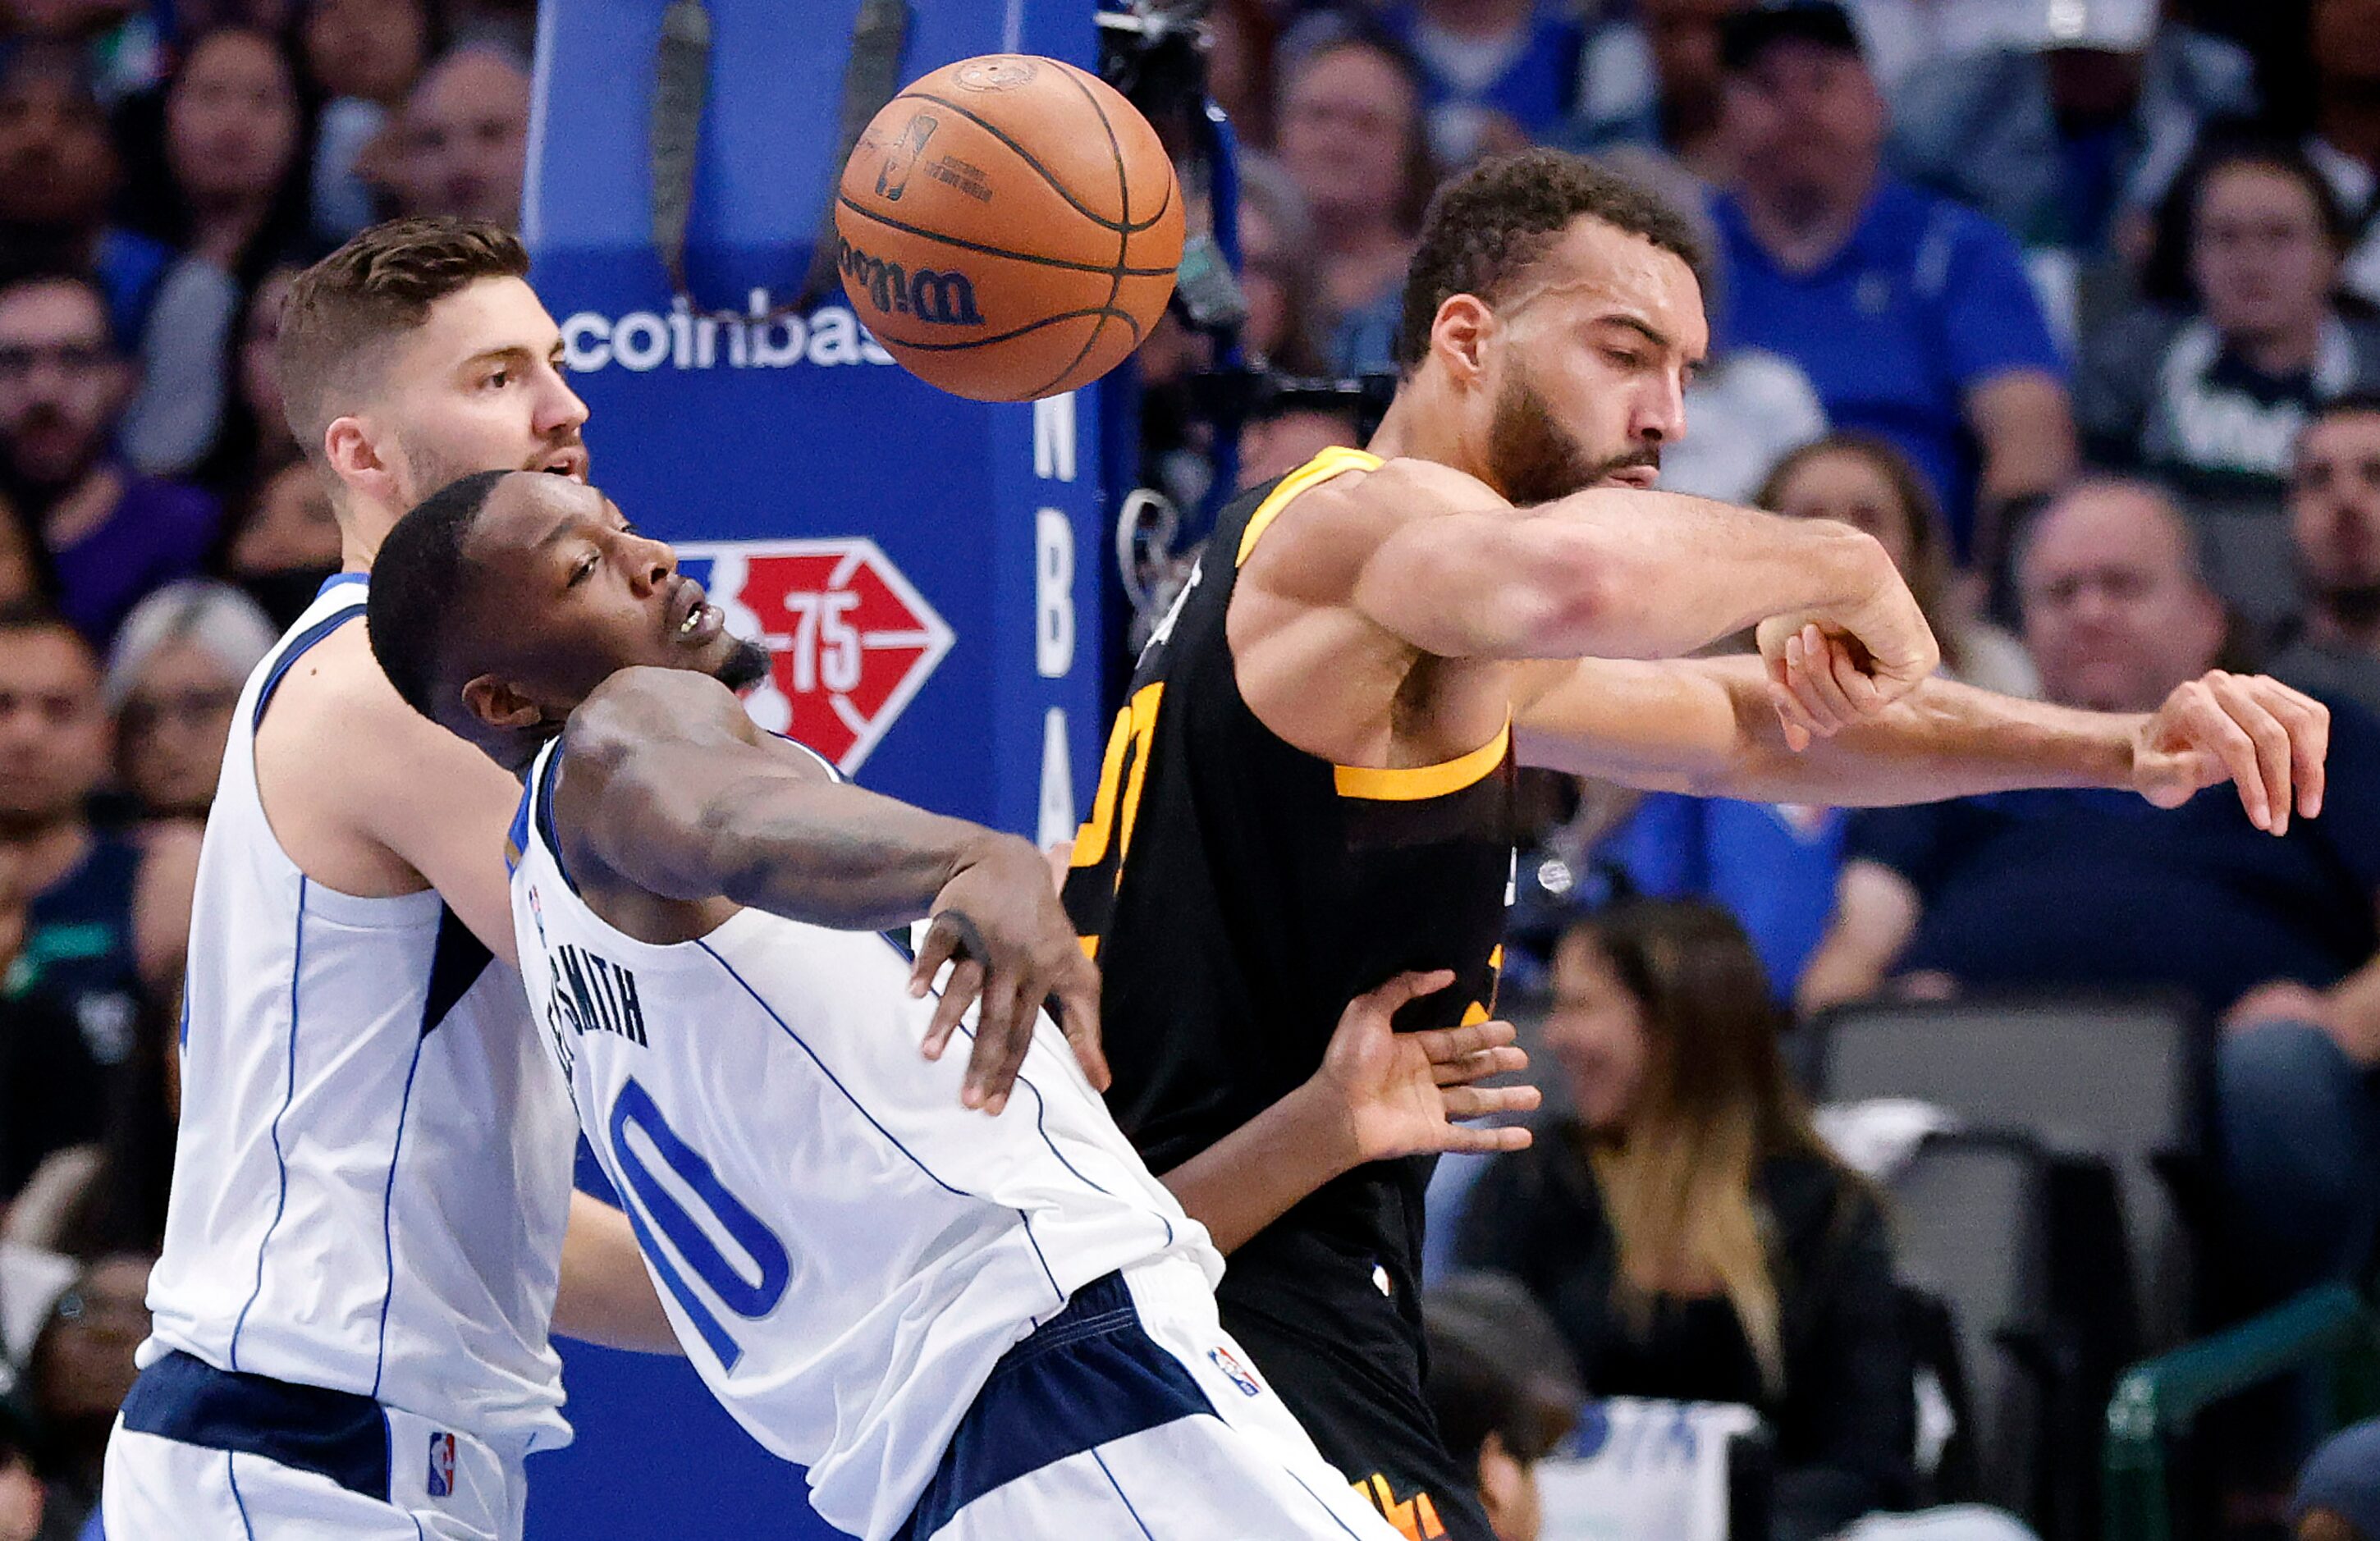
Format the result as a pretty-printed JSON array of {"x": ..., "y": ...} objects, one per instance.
[
  {"x": 1533, "y": 460},
  {"x": 745, "y": 666}
]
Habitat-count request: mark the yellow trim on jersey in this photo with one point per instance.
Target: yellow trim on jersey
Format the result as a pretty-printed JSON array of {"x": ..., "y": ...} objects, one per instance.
[
  {"x": 1413, "y": 782},
  {"x": 1331, "y": 462}
]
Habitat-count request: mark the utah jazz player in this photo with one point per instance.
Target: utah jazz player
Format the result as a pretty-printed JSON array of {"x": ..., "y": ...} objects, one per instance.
[{"x": 1310, "y": 789}]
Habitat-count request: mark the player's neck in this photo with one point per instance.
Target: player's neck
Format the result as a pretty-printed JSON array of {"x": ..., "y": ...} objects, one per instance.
[
  {"x": 362, "y": 527},
  {"x": 1419, "y": 426}
]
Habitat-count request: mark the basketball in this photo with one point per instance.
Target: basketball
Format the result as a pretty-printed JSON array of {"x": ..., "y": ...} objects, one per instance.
[{"x": 1010, "y": 228}]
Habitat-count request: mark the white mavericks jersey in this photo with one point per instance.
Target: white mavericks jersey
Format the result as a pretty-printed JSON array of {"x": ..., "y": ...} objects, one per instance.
[
  {"x": 843, "y": 1250},
  {"x": 373, "y": 1171}
]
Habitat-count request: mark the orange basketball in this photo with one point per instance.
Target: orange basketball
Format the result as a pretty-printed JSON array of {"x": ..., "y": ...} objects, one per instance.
[{"x": 1010, "y": 228}]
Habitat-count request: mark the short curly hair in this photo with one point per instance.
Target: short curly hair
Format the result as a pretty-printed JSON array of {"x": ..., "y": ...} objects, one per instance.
[{"x": 1488, "y": 226}]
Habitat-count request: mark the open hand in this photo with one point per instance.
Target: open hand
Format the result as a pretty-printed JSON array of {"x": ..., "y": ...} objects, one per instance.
[
  {"x": 2247, "y": 729},
  {"x": 998, "y": 925},
  {"x": 1402, "y": 1093}
]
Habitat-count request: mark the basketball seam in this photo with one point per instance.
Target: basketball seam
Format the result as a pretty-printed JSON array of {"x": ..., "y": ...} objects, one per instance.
[
  {"x": 1108, "y": 312},
  {"x": 1041, "y": 171},
  {"x": 907, "y": 229},
  {"x": 1123, "y": 239}
]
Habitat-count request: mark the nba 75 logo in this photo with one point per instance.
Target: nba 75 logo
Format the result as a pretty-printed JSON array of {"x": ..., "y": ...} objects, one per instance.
[{"x": 850, "y": 642}]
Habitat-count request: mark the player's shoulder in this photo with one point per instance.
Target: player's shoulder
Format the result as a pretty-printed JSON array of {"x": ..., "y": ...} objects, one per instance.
[
  {"x": 334, "y": 705},
  {"x": 635, "y": 707},
  {"x": 1408, "y": 485},
  {"x": 1381, "y": 498}
]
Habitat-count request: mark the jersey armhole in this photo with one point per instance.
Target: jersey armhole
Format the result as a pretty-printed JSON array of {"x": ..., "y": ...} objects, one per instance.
[{"x": 1333, "y": 461}]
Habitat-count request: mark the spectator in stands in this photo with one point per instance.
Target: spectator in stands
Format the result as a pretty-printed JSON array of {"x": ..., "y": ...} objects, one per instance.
[
  {"x": 86, "y": 1201},
  {"x": 58, "y": 169},
  {"x": 2344, "y": 35},
  {"x": 362, "y": 57},
  {"x": 1500, "y": 74},
  {"x": 286, "y": 542},
  {"x": 25, "y": 570},
  {"x": 1502, "y": 1390},
  {"x": 2053, "y": 121},
  {"x": 1775, "y": 866},
  {"x": 1912, "y": 317},
  {"x": 175, "y": 675},
  {"x": 106, "y": 917},
  {"x": 1281, "y": 272},
  {"x": 254, "y": 440},
  {"x": 112, "y": 535},
  {"x": 1687, "y": 1229},
  {"x": 1864, "y": 482},
  {"x": 2209, "y": 397},
  {"x": 1240, "y": 66},
  {"x": 1651, "y": 77},
  {"x": 2334, "y": 519},
  {"x": 2070, "y": 889},
  {"x": 2338, "y": 1494},
  {"x": 81, "y": 1368},
  {"x": 1353, "y": 137},
  {"x": 235, "y": 142},
  {"x": 1984, "y": 891},
  {"x": 467, "y": 136},
  {"x": 1279, "y": 440},
  {"x": 20, "y": 1488}
]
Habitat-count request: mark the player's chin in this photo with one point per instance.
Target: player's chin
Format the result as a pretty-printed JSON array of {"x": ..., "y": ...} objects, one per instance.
[{"x": 741, "y": 664}]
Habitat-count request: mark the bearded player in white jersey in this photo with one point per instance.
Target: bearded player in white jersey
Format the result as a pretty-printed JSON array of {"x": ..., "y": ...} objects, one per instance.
[{"x": 366, "y": 1244}]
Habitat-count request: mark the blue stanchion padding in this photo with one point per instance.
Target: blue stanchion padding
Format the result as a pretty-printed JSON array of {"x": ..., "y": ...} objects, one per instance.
[{"x": 924, "y": 568}]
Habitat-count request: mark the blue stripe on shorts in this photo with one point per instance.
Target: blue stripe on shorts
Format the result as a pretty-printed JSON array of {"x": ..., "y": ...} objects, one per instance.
[{"x": 1090, "y": 1375}]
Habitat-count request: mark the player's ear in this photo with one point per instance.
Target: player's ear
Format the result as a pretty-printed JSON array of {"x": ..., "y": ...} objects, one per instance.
[
  {"x": 1459, "y": 335},
  {"x": 495, "y": 703},
  {"x": 348, "y": 445}
]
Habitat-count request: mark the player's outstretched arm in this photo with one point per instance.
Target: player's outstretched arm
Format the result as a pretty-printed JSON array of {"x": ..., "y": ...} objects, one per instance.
[
  {"x": 669, "y": 786},
  {"x": 1380, "y": 1094},
  {"x": 1616, "y": 571},
  {"x": 1708, "y": 727}
]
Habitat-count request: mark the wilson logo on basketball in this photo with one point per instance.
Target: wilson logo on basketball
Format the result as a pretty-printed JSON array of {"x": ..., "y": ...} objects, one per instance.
[{"x": 939, "y": 297}]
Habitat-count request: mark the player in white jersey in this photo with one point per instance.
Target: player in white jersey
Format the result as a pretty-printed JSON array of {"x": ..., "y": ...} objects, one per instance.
[
  {"x": 366, "y": 1238},
  {"x": 964, "y": 1326}
]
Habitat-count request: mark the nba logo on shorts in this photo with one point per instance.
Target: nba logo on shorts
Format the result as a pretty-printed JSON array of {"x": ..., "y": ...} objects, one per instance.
[
  {"x": 442, "y": 1464},
  {"x": 1236, "y": 1372}
]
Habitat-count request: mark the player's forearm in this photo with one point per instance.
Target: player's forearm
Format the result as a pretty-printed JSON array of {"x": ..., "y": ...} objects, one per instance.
[
  {"x": 1657, "y": 574},
  {"x": 1255, "y": 1174},
  {"x": 1941, "y": 740},
  {"x": 1706, "y": 726},
  {"x": 834, "y": 855},
  {"x": 606, "y": 1296}
]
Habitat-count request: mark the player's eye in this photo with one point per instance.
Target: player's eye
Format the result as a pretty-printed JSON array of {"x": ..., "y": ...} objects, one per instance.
[
  {"x": 584, "y": 568},
  {"x": 1624, "y": 358}
]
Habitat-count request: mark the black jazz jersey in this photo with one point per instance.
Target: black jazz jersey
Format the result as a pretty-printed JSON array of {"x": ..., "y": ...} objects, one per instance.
[{"x": 1237, "y": 892}]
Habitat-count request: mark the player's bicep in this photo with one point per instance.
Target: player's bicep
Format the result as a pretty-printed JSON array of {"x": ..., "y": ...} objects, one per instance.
[
  {"x": 665, "y": 781},
  {"x": 443, "y": 808}
]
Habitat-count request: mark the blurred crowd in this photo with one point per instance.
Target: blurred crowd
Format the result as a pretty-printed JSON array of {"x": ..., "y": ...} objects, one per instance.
[{"x": 2072, "y": 303}]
